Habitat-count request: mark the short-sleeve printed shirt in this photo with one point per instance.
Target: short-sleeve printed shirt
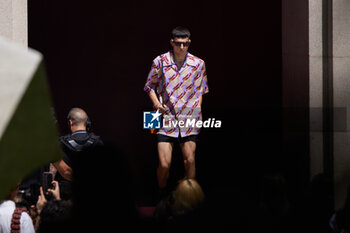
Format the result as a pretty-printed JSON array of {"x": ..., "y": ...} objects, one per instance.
[{"x": 180, "y": 90}]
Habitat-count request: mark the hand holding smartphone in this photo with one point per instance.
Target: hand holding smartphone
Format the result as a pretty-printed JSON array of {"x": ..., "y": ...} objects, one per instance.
[{"x": 47, "y": 178}]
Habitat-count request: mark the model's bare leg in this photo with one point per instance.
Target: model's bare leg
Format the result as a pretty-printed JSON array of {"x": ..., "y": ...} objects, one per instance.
[
  {"x": 188, "y": 151},
  {"x": 165, "y": 150}
]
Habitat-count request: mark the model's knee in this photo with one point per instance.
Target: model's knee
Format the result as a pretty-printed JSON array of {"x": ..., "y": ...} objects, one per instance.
[
  {"x": 190, "y": 160},
  {"x": 164, "y": 166}
]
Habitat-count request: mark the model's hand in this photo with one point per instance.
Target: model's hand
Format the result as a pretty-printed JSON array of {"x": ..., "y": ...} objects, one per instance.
[{"x": 162, "y": 108}]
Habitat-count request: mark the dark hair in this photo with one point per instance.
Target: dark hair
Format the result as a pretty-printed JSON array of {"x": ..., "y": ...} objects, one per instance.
[
  {"x": 55, "y": 216},
  {"x": 181, "y": 32}
]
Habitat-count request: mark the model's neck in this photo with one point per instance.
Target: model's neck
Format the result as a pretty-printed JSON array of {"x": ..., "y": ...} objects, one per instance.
[
  {"x": 180, "y": 56},
  {"x": 77, "y": 128}
]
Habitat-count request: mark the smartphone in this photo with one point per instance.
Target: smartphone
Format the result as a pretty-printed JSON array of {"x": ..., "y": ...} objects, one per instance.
[{"x": 47, "y": 178}]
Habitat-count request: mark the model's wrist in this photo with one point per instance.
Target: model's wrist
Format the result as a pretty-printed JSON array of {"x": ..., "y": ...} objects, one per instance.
[{"x": 157, "y": 105}]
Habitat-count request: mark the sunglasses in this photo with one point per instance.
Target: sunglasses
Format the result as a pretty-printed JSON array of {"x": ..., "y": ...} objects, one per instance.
[{"x": 185, "y": 44}]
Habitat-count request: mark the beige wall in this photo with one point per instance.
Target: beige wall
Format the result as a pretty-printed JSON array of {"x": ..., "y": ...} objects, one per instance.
[
  {"x": 341, "y": 90},
  {"x": 13, "y": 20},
  {"x": 315, "y": 82},
  {"x": 340, "y": 94}
]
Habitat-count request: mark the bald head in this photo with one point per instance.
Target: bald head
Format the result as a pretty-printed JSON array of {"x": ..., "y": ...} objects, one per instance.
[{"x": 77, "y": 117}]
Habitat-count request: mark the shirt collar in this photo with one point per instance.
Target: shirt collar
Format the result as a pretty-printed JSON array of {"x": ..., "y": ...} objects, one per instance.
[
  {"x": 79, "y": 132},
  {"x": 168, "y": 59},
  {"x": 190, "y": 60}
]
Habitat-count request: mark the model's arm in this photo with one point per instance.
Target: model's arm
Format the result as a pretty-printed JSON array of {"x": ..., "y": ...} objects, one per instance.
[
  {"x": 200, "y": 100},
  {"x": 152, "y": 95},
  {"x": 156, "y": 103},
  {"x": 204, "y": 84},
  {"x": 151, "y": 85}
]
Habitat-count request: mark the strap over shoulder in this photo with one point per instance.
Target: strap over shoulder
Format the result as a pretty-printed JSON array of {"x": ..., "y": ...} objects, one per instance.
[
  {"x": 16, "y": 219},
  {"x": 72, "y": 144}
]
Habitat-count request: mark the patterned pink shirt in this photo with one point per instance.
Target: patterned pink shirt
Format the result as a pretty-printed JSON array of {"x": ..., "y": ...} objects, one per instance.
[{"x": 180, "y": 91}]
